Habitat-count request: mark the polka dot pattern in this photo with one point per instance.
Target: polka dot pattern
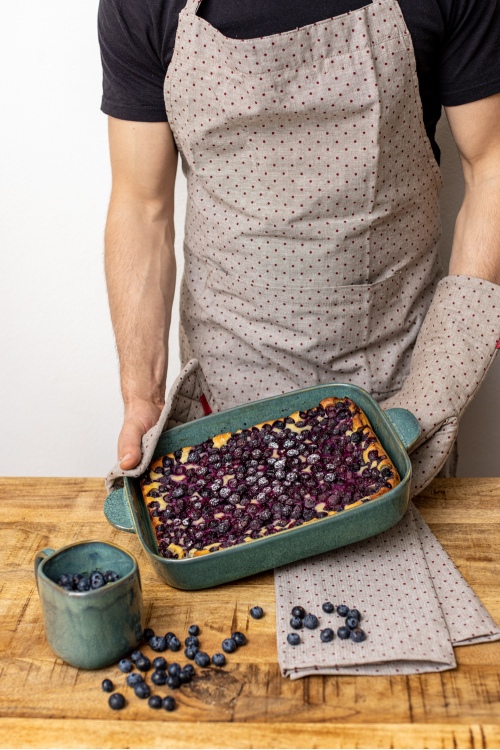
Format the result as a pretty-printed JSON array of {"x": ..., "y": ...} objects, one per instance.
[
  {"x": 453, "y": 352},
  {"x": 406, "y": 588},
  {"x": 312, "y": 221}
]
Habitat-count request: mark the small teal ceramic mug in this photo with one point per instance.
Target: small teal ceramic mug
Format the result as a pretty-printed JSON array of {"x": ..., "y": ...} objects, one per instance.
[{"x": 90, "y": 629}]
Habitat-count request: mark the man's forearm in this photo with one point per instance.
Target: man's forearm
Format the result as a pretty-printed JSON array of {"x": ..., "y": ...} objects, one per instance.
[{"x": 140, "y": 275}]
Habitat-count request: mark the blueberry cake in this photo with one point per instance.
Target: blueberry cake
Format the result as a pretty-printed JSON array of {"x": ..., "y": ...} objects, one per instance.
[{"x": 265, "y": 479}]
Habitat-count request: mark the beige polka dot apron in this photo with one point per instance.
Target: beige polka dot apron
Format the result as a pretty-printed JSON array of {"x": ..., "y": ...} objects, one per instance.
[{"x": 312, "y": 220}]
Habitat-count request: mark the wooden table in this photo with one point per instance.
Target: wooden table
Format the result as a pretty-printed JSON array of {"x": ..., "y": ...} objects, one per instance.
[{"x": 46, "y": 703}]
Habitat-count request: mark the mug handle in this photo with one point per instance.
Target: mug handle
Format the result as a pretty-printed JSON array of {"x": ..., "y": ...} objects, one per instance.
[{"x": 40, "y": 557}]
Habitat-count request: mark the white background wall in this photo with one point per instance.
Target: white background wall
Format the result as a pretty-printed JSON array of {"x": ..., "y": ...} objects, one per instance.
[{"x": 60, "y": 406}]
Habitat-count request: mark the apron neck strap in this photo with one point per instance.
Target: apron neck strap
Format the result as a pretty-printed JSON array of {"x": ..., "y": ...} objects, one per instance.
[{"x": 191, "y": 7}]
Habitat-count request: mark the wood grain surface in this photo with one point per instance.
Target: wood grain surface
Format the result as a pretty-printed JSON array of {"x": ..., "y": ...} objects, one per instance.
[{"x": 47, "y": 703}]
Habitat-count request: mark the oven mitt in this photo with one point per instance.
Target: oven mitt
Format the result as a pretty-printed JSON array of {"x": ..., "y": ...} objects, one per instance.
[
  {"x": 189, "y": 398},
  {"x": 453, "y": 352}
]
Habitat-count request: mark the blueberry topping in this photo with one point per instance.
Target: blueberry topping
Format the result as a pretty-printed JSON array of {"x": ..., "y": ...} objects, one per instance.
[
  {"x": 194, "y": 630},
  {"x": 143, "y": 664},
  {"x": 326, "y": 635},
  {"x": 134, "y": 678},
  {"x": 343, "y": 632},
  {"x": 352, "y": 622},
  {"x": 218, "y": 660},
  {"x": 342, "y": 610},
  {"x": 299, "y": 612},
  {"x": 239, "y": 638},
  {"x": 327, "y": 607},
  {"x": 154, "y": 701},
  {"x": 293, "y": 639},
  {"x": 125, "y": 665},
  {"x": 116, "y": 701},
  {"x": 159, "y": 677},
  {"x": 229, "y": 645},
  {"x": 107, "y": 686},
  {"x": 311, "y": 622},
  {"x": 168, "y": 703},
  {"x": 202, "y": 659},
  {"x": 142, "y": 690},
  {"x": 159, "y": 663},
  {"x": 158, "y": 643},
  {"x": 296, "y": 623},
  {"x": 358, "y": 635},
  {"x": 256, "y": 613}
]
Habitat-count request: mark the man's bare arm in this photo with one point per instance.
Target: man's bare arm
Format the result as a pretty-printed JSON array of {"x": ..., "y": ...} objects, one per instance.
[
  {"x": 476, "y": 242},
  {"x": 140, "y": 270}
]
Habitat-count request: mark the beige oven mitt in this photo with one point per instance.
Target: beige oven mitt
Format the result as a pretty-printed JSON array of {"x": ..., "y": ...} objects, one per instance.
[
  {"x": 189, "y": 398},
  {"x": 453, "y": 352}
]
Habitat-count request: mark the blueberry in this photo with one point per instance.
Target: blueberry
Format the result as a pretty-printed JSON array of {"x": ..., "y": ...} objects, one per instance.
[
  {"x": 185, "y": 677},
  {"x": 202, "y": 659},
  {"x": 134, "y": 678},
  {"x": 142, "y": 690},
  {"x": 159, "y": 663},
  {"x": 191, "y": 651},
  {"x": 326, "y": 635},
  {"x": 356, "y": 437},
  {"x": 158, "y": 643},
  {"x": 135, "y": 655},
  {"x": 256, "y": 613},
  {"x": 354, "y": 613},
  {"x": 173, "y": 681},
  {"x": 299, "y": 612},
  {"x": 239, "y": 638},
  {"x": 344, "y": 632},
  {"x": 116, "y": 701},
  {"x": 168, "y": 703},
  {"x": 293, "y": 639},
  {"x": 125, "y": 665},
  {"x": 342, "y": 610},
  {"x": 174, "y": 669},
  {"x": 229, "y": 645},
  {"x": 311, "y": 622},
  {"x": 168, "y": 636},
  {"x": 189, "y": 669},
  {"x": 159, "y": 677},
  {"x": 155, "y": 701},
  {"x": 143, "y": 664},
  {"x": 194, "y": 630},
  {"x": 218, "y": 660},
  {"x": 352, "y": 622},
  {"x": 107, "y": 686},
  {"x": 174, "y": 643},
  {"x": 96, "y": 580},
  {"x": 327, "y": 607},
  {"x": 296, "y": 623},
  {"x": 66, "y": 579},
  {"x": 84, "y": 585},
  {"x": 110, "y": 576},
  {"x": 191, "y": 640},
  {"x": 358, "y": 635},
  {"x": 148, "y": 633}
]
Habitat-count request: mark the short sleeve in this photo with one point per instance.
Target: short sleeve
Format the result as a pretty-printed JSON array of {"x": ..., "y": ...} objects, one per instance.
[
  {"x": 470, "y": 63},
  {"x": 132, "y": 65}
]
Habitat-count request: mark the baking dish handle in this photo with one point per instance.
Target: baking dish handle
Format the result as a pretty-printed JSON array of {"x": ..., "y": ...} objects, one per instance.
[
  {"x": 405, "y": 424},
  {"x": 117, "y": 511}
]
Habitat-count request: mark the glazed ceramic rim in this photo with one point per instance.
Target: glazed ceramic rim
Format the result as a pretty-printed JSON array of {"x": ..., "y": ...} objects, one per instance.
[{"x": 124, "y": 579}]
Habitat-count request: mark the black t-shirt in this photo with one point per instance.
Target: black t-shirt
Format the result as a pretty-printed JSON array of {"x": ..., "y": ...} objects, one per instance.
[{"x": 456, "y": 43}]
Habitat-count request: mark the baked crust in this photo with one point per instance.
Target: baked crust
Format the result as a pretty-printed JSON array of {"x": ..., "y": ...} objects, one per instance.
[{"x": 175, "y": 489}]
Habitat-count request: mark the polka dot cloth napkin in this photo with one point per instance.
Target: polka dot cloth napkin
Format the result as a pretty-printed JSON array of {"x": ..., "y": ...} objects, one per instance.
[{"x": 414, "y": 603}]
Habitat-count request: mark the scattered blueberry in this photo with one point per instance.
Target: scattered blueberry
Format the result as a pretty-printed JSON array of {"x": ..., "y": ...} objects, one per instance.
[
  {"x": 125, "y": 665},
  {"x": 134, "y": 678},
  {"x": 159, "y": 677},
  {"x": 116, "y": 701},
  {"x": 158, "y": 643},
  {"x": 342, "y": 610},
  {"x": 174, "y": 668},
  {"x": 143, "y": 664},
  {"x": 159, "y": 663},
  {"x": 194, "y": 630},
  {"x": 168, "y": 703},
  {"x": 352, "y": 622},
  {"x": 191, "y": 640},
  {"x": 293, "y": 639},
  {"x": 327, "y": 607},
  {"x": 173, "y": 681},
  {"x": 239, "y": 638},
  {"x": 191, "y": 651},
  {"x": 169, "y": 635},
  {"x": 326, "y": 635},
  {"x": 229, "y": 645},
  {"x": 174, "y": 643},
  {"x": 142, "y": 690},
  {"x": 296, "y": 623},
  {"x": 155, "y": 701},
  {"x": 218, "y": 660},
  {"x": 148, "y": 633},
  {"x": 185, "y": 676},
  {"x": 107, "y": 686},
  {"x": 256, "y": 613},
  {"x": 358, "y": 635},
  {"x": 311, "y": 622},
  {"x": 188, "y": 668},
  {"x": 299, "y": 612},
  {"x": 344, "y": 632},
  {"x": 354, "y": 613},
  {"x": 135, "y": 655},
  {"x": 202, "y": 659}
]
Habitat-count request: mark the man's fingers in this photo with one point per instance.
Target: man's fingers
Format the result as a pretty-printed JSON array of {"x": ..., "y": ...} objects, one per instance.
[{"x": 129, "y": 444}]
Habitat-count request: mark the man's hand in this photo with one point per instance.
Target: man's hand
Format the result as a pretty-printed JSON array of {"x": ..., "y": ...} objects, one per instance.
[{"x": 139, "y": 417}]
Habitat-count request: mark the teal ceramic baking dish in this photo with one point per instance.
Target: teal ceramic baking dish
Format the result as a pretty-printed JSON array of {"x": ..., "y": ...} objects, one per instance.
[{"x": 397, "y": 430}]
